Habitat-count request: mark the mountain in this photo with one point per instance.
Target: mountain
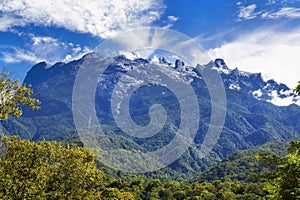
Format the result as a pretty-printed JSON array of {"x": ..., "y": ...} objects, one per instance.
[
  {"x": 253, "y": 115},
  {"x": 253, "y": 83}
]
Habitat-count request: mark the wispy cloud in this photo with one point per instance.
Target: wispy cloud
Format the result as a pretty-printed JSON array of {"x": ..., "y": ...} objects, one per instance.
[
  {"x": 268, "y": 10},
  {"x": 17, "y": 55},
  {"x": 100, "y": 18},
  {"x": 247, "y": 12},
  {"x": 288, "y": 12},
  {"x": 269, "y": 2},
  {"x": 43, "y": 48},
  {"x": 8, "y": 21},
  {"x": 271, "y": 52}
]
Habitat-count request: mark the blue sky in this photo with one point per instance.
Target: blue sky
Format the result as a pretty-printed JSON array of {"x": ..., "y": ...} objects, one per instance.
[{"x": 256, "y": 36}]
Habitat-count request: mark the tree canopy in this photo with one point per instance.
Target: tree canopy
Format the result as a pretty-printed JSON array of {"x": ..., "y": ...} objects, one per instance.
[
  {"x": 13, "y": 96},
  {"x": 49, "y": 170},
  {"x": 284, "y": 181}
]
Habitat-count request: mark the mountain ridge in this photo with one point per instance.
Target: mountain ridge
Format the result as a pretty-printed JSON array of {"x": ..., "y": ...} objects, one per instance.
[
  {"x": 249, "y": 122},
  {"x": 267, "y": 90}
]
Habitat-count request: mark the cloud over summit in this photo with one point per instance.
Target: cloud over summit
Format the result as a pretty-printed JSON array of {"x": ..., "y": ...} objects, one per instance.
[{"x": 100, "y": 18}]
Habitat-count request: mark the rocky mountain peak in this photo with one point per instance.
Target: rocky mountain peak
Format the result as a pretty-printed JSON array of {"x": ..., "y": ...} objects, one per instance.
[
  {"x": 37, "y": 73},
  {"x": 220, "y": 63},
  {"x": 179, "y": 65}
]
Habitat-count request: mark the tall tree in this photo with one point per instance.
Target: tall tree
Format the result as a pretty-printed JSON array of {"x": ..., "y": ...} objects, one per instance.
[
  {"x": 284, "y": 182},
  {"x": 297, "y": 89},
  {"x": 13, "y": 95},
  {"x": 44, "y": 170},
  {"x": 49, "y": 170}
]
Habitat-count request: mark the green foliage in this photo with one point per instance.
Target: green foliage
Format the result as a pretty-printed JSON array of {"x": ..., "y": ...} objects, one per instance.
[
  {"x": 115, "y": 194},
  {"x": 49, "y": 170},
  {"x": 284, "y": 182},
  {"x": 149, "y": 189},
  {"x": 297, "y": 89},
  {"x": 13, "y": 96},
  {"x": 242, "y": 164}
]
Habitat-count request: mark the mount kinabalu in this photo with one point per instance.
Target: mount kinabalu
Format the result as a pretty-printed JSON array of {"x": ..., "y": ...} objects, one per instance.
[{"x": 253, "y": 116}]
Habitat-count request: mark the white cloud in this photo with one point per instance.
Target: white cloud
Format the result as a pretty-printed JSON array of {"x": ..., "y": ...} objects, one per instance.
[
  {"x": 6, "y": 22},
  {"x": 100, "y": 18},
  {"x": 172, "y": 18},
  {"x": 275, "y": 54},
  {"x": 48, "y": 48},
  {"x": 257, "y": 93},
  {"x": 18, "y": 55},
  {"x": 289, "y": 12},
  {"x": 277, "y": 100},
  {"x": 271, "y": 2},
  {"x": 39, "y": 40},
  {"x": 77, "y": 52},
  {"x": 247, "y": 12},
  {"x": 44, "y": 48}
]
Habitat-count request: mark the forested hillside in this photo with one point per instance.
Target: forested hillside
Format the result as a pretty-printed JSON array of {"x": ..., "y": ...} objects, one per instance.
[{"x": 47, "y": 170}]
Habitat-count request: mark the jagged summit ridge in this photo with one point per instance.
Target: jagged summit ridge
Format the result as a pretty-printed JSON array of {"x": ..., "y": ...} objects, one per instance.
[
  {"x": 234, "y": 79},
  {"x": 253, "y": 83}
]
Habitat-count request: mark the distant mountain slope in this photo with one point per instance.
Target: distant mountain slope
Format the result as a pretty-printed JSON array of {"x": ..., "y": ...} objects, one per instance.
[{"x": 252, "y": 117}]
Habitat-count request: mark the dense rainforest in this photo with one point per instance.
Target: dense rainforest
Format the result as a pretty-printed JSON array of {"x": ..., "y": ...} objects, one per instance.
[{"x": 52, "y": 170}]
